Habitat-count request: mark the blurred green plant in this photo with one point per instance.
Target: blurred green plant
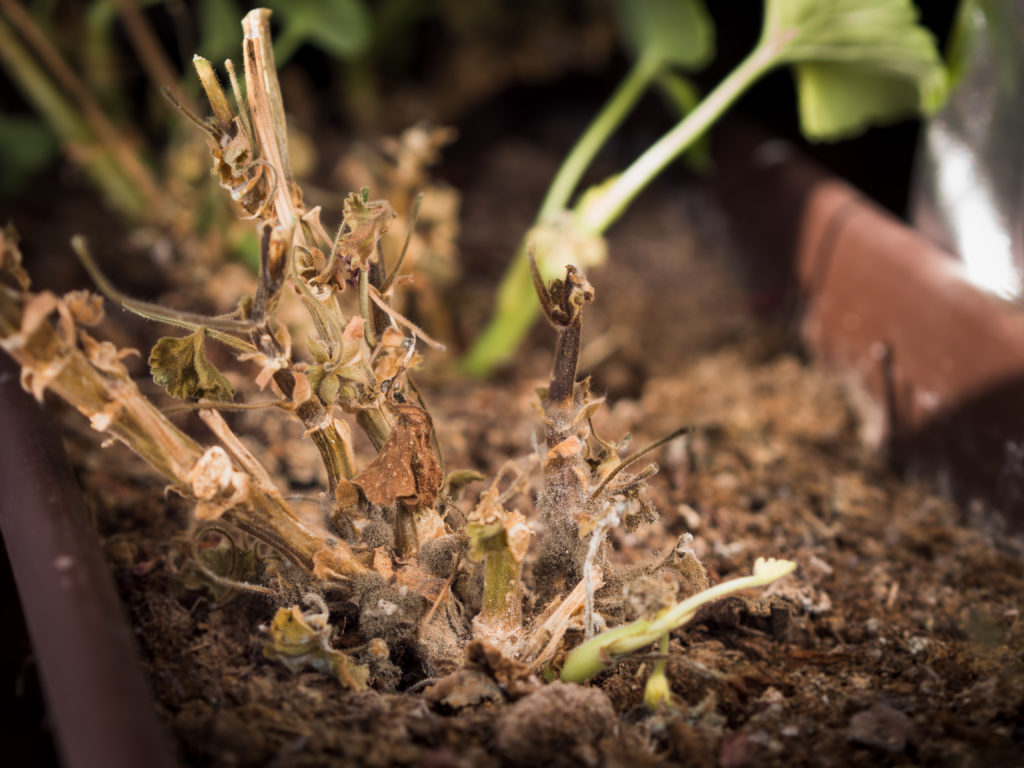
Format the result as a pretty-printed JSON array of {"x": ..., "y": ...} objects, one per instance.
[{"x": 856, "y": 63}]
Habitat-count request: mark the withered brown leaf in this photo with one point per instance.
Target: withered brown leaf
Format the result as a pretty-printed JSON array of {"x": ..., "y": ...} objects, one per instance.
[{"x": 406, "y": 469}]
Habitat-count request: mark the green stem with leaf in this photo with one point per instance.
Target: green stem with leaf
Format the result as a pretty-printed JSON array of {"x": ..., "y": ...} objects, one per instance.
[
  {"x": 514, "y": 316},
  {"x": 857, "y": 63}
]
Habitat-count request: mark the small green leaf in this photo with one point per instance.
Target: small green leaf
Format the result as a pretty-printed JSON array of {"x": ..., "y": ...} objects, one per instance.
[
  {"x": 329, "y": 388},
  {"x": 668, "y": 32},
  {"x": 857, "y": 62},
  {"x": 179, "y": 365},
  {"x": 317, "y": 349}
]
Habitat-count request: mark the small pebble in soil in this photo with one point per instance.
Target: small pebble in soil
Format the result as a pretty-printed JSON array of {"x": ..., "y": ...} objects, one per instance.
[{"x": 881, "y": 727}]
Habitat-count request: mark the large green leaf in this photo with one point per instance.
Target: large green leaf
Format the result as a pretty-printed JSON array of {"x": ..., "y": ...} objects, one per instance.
[
  {"x": 668, "y": 32},
  {"x": 857, "y": 62}
]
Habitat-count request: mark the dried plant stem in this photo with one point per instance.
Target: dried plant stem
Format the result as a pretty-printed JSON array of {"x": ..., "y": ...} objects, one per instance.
[
  {"x": 542, "y": 643},
  {"x": 114, "y": 405}
]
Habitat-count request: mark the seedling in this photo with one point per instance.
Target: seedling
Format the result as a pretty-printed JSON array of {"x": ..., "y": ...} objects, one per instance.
[
  {"x": 391, "y": 540},
  {"x": 595, "y": 655},
  {"x": 856, "y": 63}
]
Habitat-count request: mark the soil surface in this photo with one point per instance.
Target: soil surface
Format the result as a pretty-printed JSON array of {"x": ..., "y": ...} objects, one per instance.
[{"x": 897, "y": 641}]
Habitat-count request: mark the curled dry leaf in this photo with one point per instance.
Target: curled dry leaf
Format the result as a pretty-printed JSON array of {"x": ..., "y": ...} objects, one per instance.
[
  {"x": 365, "y": 223},
  {"x": 105, "y": 356},
  {"x": 86, "y": 308},
  {"x": 179, "y": 365},
  {"x": 10, "y": 258},
  {"x": 300, "y": 640}
]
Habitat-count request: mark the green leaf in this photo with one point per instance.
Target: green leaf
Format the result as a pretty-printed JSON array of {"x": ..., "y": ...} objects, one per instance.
[
  {"x": 668, "y": 32},
  {"x": 341, "y": 28},
  {"x": 839, "y": 100},
  {"x": 179, "y": 365},
  {"x": 857, "y": 62}
]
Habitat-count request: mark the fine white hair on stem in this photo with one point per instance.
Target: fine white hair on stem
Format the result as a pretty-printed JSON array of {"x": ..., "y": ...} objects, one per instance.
[{"x": 596, "y": 539}]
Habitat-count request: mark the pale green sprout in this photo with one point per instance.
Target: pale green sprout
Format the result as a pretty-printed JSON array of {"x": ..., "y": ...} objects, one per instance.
[
  {"x": 657, "y": 693},
  {"x": 596, "y": 654},
  {"x": 856, "y": 62}
]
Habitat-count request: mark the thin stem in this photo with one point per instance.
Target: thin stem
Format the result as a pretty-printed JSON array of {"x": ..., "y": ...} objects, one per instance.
[
  {"x": 364, "y": 308},
  {"x": 514, "y": 312},
  {"x": 633, "y": 457},
  {"x": 594, "y": 137},
  {"x": 152, "y": 55},
  {"x": 614, "y": 201},
  {"x": 405, "y": 247},
  {"x": 115, "y": 141},
  {"x": 93, "y": 157},
  {"x": 158, "y": 313},
  {"x": 586, "y": 660}
]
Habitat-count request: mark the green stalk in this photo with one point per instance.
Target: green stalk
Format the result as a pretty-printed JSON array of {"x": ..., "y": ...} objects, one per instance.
[
  {"x": 594, "y": 137},
  {"x": 516, "y": 310},
  {"x": 614, "y": 200},
  {"x": 501, "y": 586},
  {"x": 501, "y": 610},
  {"x": 586, "y": 660}
]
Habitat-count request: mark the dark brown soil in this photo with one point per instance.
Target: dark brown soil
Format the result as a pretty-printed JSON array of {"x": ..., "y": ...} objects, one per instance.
[{"x": 897, "y": 641}]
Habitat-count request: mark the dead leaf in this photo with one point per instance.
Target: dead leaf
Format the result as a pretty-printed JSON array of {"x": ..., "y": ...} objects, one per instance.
[
  {"x": 298, "y": 640},
  {"x": 86, "y": 308},
  {"x": 179, "y": 365},
  {"x": 10, "y": 258},
  {"x": 365, "y": 222},
  {"x": 406, "y": 469},
  {"x": 513, "y": 676},
  {"x": 459, "y": 479}
]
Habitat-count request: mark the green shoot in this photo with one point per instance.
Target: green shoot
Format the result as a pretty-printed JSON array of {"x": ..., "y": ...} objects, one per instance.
[
  {"x": 593, "y": 656},
  {"x": 856, "y": 62},
  {"x": 662, "y": 36},
  {"x": 657, "y": 692}
]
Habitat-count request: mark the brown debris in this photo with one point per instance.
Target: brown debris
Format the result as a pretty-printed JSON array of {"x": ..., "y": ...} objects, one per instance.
[{"x": 406, "y": 469}]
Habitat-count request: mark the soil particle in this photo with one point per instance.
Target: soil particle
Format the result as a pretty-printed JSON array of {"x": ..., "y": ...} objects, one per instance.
[
  {"x": 561, "y": 725},
  {"x": 881, "y": 727}
]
